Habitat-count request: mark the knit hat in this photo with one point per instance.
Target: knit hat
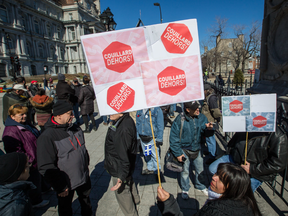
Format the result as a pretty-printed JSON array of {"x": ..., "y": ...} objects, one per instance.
[
  {"x": 61, "y": 76},
  {"x": 11, "y": 167},
  {"x": 207, "y": 87},
  {"x": 61, "y": 107},
  {"x": 193, "y": 105}
]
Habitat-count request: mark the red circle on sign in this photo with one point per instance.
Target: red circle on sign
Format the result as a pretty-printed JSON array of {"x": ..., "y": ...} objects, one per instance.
[
  {"x": 259, "y": 121},
  {"x": 176, "y": 38},
  {"x": 171, "y": 80},
  {"x": 118, "y": 57},
  {"x": 120, "y": 97},
  {"x": 236, "y": 106}
]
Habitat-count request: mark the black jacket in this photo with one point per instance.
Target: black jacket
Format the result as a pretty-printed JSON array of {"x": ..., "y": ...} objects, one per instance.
[
  {"x": 33, "y": 89},
  {"x": 266, "y": 156},
  {"x": 215, "y": 208},
  {"x": 65, "y": 92},
  {"x": 121, "y": 148},
  {"x": 86, "y": 100},
  {"x": 14, "y": 199},
  {"x": 62, "y": 157}
]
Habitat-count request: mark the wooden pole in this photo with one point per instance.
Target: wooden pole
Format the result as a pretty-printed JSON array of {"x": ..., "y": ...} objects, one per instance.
[{"x": 159, "y": 179}]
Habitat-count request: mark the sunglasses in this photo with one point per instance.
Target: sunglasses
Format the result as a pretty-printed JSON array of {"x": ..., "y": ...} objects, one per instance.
[{"x": 18, "y": 105}]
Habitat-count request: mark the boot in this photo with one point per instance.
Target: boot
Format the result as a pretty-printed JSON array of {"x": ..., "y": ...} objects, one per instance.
[{"x": 95, "y": 128}]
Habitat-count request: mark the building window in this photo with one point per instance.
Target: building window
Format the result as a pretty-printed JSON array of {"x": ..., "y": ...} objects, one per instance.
[
  {"x": 72, "y": 33},
  {"x": 62, "y": 53},
  {"x": 56, "y": 69},
  {"x": 75, "y": 69},
  {"x": 52, "y": 52},
  {"x": 74, "y": 53},
  {"x": 58, "y": 33},
  {"x": 9, "y": 44},
  {"x": 70, "y": 16},
  {"x": 36, "y": 26},
  {"x": 91, "y": 31},
  {"x": 228, "y": 62},
  {"x": 23, "y": 22},
  {"x": 3, "y": 13},
  {"x": 41, "y": 51},
  {"x": 48, "y": 30}
]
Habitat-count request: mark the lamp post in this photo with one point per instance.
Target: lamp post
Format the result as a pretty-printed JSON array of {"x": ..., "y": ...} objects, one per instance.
[
  {"x": 157, "y": 4},
  {"x": 107, "y": 19}
]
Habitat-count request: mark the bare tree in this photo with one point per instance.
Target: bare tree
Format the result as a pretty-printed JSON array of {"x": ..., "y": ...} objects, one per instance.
[
  {"x": 217, "y": 31},
  {"x": 248, "y": 43}
]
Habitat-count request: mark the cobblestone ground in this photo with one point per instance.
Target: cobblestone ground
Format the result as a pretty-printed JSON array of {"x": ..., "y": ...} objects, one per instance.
[{"x": 104, "y": 202}]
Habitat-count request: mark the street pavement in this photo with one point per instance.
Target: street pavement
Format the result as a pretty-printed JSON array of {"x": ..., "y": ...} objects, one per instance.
[{"x": 104, "y": 202}]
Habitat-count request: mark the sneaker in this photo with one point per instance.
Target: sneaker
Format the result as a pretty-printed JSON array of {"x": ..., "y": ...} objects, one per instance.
[
  {"x": 147, "y": 172},
  {"x": 185, "y": 195},
  {"x": 204, "y": 191},
  {"x": 95, "y": 128},
  {"x": 41, "y": 204}
]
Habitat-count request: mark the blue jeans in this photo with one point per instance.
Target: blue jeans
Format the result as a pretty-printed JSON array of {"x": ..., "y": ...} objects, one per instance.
[
  {"x": 198, "y": 164},
  {"x": 46, "y": 87},
  {"x": 211, "y": 144},
  {"x": 151, "y": 159},
  {"x": 105, "y": 119},
  {"x": 76, "y": 112},
  {"x": 228, "y": 159}
]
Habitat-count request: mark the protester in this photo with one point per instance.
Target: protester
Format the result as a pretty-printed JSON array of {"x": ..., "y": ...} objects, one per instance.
[
  {"x": 120, "y": 157},
  {"x": 63, "y": 159},
  {"x": 20, "y": 136},
  {"x": 53, "y": 93},
  {"x": 86, "y": 103},
  {"x": 21, "y": 80},
  {"x": 76, "y": 86},
  {"x": 45, "y": 83},
  {"x": 64, "y": 90},
  {"x": 187, "y": 146},
  {"x": 172, "y": 110},
  {"x": 12, "y": 97},
  {"x": 14, "y": 189},
  {"x": 211, "y": 110},
  {"x": 33, "y": 88},
  {"x": 50, "y": 81},
  {"x": 165, "y": 111},
  {"x": 43, "y": 107},
  {"x": 144, "y": 133},
  {"x": 236, "y": 198},
  {"x": 266, "y": 156}
]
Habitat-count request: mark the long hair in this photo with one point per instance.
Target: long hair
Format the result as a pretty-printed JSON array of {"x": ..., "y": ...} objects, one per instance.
[{"x": 237, "y": 185}]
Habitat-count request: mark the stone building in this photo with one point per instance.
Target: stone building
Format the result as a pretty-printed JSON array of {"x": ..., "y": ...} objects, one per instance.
[
  {"x": 45, "y": 35},
  {"x": 227, "y": 56}
]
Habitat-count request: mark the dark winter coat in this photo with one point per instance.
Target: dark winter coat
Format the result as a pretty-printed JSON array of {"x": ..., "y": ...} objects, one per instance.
[
  {"x": 33, "y": 89},
  {"x": 121, "y": 148},
  {"x": 14, "y": 199},
  {"x": 62, "y": 156},
  {"x": 266, "y": 157},
  {"x": 9, "y": 99},
  {"x": 215, "y": 208},
  {"x": 77, "y": 89},
  {"x": 42, "y": 104},
  {"x": 86, "y": 100},
  {"x": 65, "y": 92},
  {"x": 19, "y": 138}
]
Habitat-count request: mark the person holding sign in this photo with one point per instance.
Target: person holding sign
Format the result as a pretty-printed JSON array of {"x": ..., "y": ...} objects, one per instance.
[
  {"x": 212, "y": 112},
  {"x": 144, "y": 133},
  {"x": 232, "y": 184},
  {"x": 188, "y": 146},
  {"x": 266, "y": 156},
  {"x": 120, "y": 158}
]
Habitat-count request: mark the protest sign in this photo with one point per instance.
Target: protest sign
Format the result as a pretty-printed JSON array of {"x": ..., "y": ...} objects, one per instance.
[
  {"x": 249, "y": 113},
  {"x": 145, "y": 67}
]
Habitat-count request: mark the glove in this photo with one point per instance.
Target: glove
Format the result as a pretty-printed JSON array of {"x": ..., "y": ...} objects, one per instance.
[{"x": 159, "y": 143}]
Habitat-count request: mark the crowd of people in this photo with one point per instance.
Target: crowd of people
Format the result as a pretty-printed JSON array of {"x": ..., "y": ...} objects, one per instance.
[{"x": 53, "y": 156}]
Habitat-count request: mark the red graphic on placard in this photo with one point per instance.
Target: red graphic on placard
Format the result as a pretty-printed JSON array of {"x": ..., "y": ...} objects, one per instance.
[
  {"x": 118, "y": 57},
  {"x": 259, "y": 121},
  {"x": 176, "y": 38},
  {"x": 120, "y": 97},
  {"x": 236, "y": 106},
  {"x": 171, "y": 80}
]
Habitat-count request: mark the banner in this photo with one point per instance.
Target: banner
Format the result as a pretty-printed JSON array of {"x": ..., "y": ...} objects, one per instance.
[
  {"x": 249, "y": 113},
  {"x": 144, "y": 67}
]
